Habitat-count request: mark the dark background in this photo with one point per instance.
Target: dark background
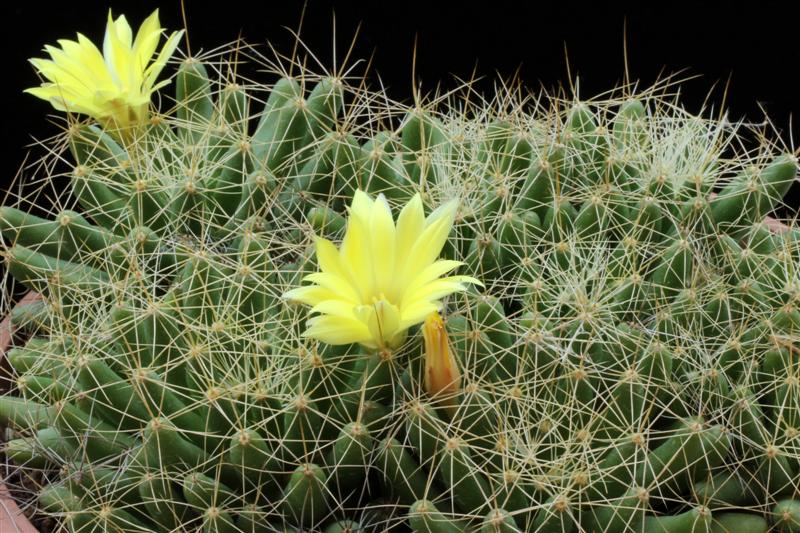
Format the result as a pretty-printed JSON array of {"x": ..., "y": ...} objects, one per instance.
[{"x": 753, "y": 50}]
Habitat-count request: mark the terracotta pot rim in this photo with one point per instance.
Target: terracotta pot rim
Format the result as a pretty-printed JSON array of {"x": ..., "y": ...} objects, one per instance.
[{"x": 12, "y": 519}]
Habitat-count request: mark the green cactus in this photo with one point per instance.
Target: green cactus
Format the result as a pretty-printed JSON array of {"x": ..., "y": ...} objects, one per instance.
[{"x": 630, "y": 365}]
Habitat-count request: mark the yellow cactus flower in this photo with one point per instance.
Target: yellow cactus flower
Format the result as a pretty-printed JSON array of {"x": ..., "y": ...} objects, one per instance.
[
  {"x": 442, "y": 375},
  {"x": 384, "y": 278},
  {"x": 114, "y": 86}
]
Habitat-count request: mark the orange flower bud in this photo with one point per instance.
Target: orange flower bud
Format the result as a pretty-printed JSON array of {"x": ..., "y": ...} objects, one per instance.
[{"x": 442, "y": 375}]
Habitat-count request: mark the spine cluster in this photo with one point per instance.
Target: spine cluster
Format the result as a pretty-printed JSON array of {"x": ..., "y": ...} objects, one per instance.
[{"x": 631, "y": 365}]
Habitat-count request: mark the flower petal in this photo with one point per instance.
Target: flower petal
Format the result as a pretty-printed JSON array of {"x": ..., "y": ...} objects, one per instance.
[
  {"x": 328, "y": 257},
  {"x": 336, "y": 285},
  {"x": 310, "y": 295},
  {"x": 144, "y": 46},
  {"x": 355, "y": 256},
  {"x": 382, "y": 241},
  {"x": 361, "y": 207},
  {"x": 434, "y": 290},
  {"x": 337, "y": 308},
  {"x": 409, "y": 225},
  {"x": 334, "y": 330},
  {"x": 432, "y": 272},
  {"x": 116, "y": 49},
  {"x": 428, "y": 245},
  {"x": 152, "y": 72},
  {"x": 416, "y": 313}
]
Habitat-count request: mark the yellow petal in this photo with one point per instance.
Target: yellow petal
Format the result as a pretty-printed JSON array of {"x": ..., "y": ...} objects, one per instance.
[
  {"x": 361, "y": 207},
  {"x": 144, "y": 46},
  {"x": 336, "y": 330},
  {"x": 65, "y": 70},
  {"x": 85, "y": 53},
  {"x": 464, "y": 279},
  {"x": 328, "y": 257},
  {"x": 336, "y": 308},
  {"x": 310, "y": 295},
  {"x": 116, "y": 51},
  {"x": 382, "y": 237},
  {"x": 123, "y": 31},
  {"x": 446, "y": 211},
  {"x": 335, "y": 284},
  {"x": 152, "y": 72},
  {"x": 434, "y": 290},
  {"x": 416, "y": 313},
  {"x": 409, "y": 225},
  {"x": 432, "y": 272},
  {"x": 356, "y": 257},
  {"x": 68, "y": 67},
  {"x": 428, "y": 245}
]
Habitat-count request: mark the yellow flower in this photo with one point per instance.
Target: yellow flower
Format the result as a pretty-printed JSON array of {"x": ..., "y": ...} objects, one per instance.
[
  {"x": 113, "y": 87},
  {"x": 442, "y": 375},
  {"x": 384, "y": 278}
]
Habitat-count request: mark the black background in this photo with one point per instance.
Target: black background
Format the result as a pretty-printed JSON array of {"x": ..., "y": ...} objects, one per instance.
[{"x": 753, "y": 50}]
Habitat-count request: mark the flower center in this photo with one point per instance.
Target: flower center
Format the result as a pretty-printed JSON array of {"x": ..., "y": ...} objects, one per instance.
[{"x": 382, "y": 318}]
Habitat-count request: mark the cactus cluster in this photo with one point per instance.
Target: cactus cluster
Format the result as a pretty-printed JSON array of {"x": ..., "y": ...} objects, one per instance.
[{"x": 630, "y": 365}]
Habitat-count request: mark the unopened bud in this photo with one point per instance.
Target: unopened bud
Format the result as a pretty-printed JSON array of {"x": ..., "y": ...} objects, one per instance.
[{"x": 442, "y": 375}]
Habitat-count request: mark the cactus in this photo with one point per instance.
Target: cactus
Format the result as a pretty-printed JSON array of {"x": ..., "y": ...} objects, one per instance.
[{"x": 629, "y": 365}]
